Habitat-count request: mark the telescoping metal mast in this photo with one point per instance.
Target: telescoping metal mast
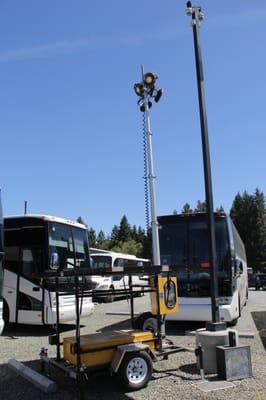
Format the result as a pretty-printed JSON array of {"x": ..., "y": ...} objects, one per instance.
[{"x": 147, "y": 92}]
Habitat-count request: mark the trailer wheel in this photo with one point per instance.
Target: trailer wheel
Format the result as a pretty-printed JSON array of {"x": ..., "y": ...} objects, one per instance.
[
  {"x": 111, "y": 296},
  {"x": 135, "y": 370}
]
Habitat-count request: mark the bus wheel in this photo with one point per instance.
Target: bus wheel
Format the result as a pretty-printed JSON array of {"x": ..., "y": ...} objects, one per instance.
[
  {"x": 234, "y": 321},
  {"x": 5, "y": 313},
  {"x": 246, "y": 300},
  {"x": 111, "y": 296},
  {"x": 135, "y": 370}
]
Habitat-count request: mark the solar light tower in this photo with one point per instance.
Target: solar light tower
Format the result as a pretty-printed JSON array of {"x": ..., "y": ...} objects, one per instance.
[{"x": 147, "y": 91}]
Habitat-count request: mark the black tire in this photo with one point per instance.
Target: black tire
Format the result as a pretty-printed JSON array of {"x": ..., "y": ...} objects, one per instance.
[
  {"x": 246, "y": 297},
  {"x": 140, "y": 319},
  {"x": 5, "y": 313},
  {"x": 135, "y": 370},
  {"x": 111, "y": 296},
  {"x": 234, "y": 321}
]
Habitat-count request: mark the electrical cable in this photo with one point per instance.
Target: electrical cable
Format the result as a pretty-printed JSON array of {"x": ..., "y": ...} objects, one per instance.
[{"x": 146, "y": 186}]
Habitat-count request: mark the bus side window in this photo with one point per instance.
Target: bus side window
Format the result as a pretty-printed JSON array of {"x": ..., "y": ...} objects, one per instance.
[{"x": 119, "y": 262}]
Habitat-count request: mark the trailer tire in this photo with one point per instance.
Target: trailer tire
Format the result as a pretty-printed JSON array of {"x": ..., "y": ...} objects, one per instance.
[
  {"x": 135, "y": 370},
  {"x": 110, "y": 297}
]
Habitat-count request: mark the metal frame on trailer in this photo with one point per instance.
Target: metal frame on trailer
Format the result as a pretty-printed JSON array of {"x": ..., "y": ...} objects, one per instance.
[{"x": 77, "y": 283}]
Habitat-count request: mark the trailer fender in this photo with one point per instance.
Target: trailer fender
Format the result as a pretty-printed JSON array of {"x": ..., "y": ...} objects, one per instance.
[{"x": 126, "y": 348}]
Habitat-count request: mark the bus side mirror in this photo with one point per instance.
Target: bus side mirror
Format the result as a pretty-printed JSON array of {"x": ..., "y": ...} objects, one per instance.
[
  {"x": 238, "y": 267},
  {"x": 54, "y": 262}
]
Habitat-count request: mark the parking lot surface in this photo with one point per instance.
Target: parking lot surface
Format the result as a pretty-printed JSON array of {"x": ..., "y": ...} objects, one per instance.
[{"x": 175, "y": 378}]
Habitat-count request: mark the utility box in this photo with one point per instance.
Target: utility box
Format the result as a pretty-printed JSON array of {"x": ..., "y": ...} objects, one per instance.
[{"x": 233, "y": 363}]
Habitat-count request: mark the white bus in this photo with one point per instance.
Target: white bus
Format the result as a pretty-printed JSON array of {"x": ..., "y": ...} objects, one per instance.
[
  {"x": 184, "y": 242},
  {"x": 112, "y": 261},
  {"x": 33, "y": 244},
  {"x": 1, "y": 266}
]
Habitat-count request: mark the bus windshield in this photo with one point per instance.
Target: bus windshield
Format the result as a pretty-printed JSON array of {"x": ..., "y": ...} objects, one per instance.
[
  {"x": 186, "y": 244},
  {"x": 70, "y": 244}
]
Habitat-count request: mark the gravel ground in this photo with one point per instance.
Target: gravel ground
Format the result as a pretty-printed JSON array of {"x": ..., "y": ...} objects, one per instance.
[{"x": 176, "y": 378}]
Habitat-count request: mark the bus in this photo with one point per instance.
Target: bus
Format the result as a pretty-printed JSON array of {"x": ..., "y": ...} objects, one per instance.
[
  {"x": 34, "y": 244},
  {"x": 112, "y": 261},
  {"x": 184, "y": 242},
  {"x": 1, "y": 266}
]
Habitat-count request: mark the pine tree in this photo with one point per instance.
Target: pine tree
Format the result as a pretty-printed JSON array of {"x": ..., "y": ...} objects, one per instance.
[
  {"x": 201, "y": 206},
  {"x": 186, "y": 209},
  {"x": 81, "y": 221},
  {"x": 248, "y": 213},
  {"x": 100, "y": 238},
  {"x": 92, "y": 237},
  {"x": 124, "y": 232},
  {"x": 115, "y": 235}
]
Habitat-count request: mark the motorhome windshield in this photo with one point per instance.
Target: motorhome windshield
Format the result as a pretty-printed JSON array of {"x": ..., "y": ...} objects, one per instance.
[{"x": 70, "y": 244}]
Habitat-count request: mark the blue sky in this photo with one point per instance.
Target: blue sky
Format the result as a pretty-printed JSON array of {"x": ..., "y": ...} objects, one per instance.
[{"x": 71, "y": 135}]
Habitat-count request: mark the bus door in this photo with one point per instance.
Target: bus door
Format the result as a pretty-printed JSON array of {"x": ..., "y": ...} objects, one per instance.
[{"x": 31, "y": 298}]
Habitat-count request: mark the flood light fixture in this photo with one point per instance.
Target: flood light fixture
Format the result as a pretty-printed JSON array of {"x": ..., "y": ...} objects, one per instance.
[
  {"x": 150, "y": 78},
  {"x": 139, "y": 90}
]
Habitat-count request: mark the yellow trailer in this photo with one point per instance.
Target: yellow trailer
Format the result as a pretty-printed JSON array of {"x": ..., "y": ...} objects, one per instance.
[{"x": 128, "y": 354}]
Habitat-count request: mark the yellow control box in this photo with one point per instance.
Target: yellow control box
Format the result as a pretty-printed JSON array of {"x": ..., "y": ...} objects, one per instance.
[
  {"x": 164, "y": 300},
  {"x": 99, "y": 348}
]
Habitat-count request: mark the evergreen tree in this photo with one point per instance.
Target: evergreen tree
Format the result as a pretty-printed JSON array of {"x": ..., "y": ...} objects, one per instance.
[
  {"x": 201, "y": 206},
  {"x": 81, "y": 221},
  {"x": 248, "y": 213},
  {"x": 186, "y": 209},
  {"x": 129, "y": 247},
  {"x": 92, "y": 237},
  {"x": 124, "y": 232},
  {"x": 141, "y": 235},
  {"x": 115, "y": 235},
  {"x": 134, "y": 233},
  {"x": 147, "y": 245},
  {"x": 100, "y": 238}
]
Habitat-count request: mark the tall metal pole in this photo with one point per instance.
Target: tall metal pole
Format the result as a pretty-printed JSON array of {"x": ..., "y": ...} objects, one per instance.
[
  {"x": 25, "y": 207},
  {"x": 197, "y": 16},
  {"x": 151, "y": 177}
]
